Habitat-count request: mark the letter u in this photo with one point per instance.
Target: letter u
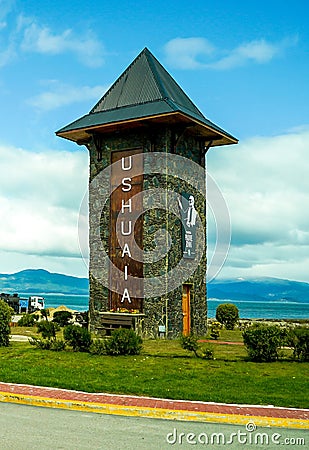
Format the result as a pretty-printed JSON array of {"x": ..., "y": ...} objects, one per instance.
[
  {"x": 129, "y": 231},
  {"x": 123, "y": 166}
]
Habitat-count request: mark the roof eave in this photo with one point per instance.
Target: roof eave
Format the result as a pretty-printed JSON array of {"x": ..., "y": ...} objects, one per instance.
[{"x": 212, "y": 135}]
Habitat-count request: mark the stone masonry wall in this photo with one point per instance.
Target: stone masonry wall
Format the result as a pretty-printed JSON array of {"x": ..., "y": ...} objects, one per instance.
[{"x": 165, "y": 309}]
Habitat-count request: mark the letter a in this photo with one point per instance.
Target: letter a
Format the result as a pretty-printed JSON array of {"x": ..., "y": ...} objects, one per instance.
[
  {"x": 126, "y": 250},
  {"x": 125, "y": 296}
]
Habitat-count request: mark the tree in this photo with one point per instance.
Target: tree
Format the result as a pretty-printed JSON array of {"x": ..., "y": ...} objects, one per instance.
[
  {"x": 45, "y": 313},
  {"x": 62, "y": 318},
  {"x": 5, "y": 318},
  {"x": 191, "y": 344},
  {"x": 228, "y": 315},
  {"x": 27, "y": 320}
]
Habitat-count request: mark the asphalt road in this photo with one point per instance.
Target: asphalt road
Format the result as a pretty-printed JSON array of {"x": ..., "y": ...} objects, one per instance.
[{"x": 33, "y": 428}]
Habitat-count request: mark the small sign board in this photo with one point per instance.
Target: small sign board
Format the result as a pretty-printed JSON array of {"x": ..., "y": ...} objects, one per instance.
[{"x": 189, "y": 222}]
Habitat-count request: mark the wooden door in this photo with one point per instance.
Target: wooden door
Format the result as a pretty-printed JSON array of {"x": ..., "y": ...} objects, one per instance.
[
  {"x": 125, "y": 240},
  {"x": 186, "y": 309}
]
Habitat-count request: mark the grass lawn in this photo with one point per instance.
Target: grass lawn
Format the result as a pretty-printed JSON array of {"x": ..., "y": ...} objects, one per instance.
[{"x": 163, "y": 369}]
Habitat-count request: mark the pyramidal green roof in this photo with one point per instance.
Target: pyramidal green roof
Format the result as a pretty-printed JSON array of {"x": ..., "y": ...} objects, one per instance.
[
  {"x": 144, "y": 91},
  {"x": 145, "y": 80}
]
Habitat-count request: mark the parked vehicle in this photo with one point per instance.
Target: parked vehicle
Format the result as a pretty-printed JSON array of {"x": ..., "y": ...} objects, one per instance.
[{"x": 23, "y": 305}]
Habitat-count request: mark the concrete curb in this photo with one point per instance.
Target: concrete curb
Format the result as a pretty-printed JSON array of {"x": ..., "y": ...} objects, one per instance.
[{"x": 154, "y": 412}]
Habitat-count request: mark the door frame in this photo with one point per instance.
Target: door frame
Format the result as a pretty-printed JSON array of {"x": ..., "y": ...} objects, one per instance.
[{"x": 186, "y": 308}]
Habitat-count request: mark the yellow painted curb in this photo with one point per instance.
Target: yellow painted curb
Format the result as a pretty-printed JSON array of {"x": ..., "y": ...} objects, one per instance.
[{"x": 156, "y": 413}]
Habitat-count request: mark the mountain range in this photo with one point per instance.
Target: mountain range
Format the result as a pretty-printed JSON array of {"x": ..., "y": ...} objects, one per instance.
[
  {"x": 259, "y": 289},
  {"x": 39, "y": 281}
]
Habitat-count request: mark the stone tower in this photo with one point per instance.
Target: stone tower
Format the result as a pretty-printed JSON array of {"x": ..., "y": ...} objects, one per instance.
[{"x": 147, "y": 203}]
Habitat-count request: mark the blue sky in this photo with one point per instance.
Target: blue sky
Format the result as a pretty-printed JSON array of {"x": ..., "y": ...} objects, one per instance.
[{"x": 244, "y": 64}]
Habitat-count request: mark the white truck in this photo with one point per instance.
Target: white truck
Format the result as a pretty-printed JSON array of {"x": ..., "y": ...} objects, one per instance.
[{"x": 36, "y": 303}]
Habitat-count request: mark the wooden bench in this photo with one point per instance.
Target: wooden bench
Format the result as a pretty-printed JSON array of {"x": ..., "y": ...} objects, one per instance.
[{"x": 111, "y": 321}]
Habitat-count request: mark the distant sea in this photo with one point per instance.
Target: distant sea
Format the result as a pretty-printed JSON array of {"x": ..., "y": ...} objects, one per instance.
[
  {"x": 247, "y": 309},
  {"x": 264, "y": 310}
]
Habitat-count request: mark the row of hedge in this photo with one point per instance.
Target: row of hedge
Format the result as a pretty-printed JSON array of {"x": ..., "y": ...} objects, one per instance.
[{"x": 122, "y": 341}]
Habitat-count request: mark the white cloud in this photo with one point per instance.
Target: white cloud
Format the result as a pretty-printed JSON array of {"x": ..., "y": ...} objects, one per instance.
[
  {"x": 41, "y": 39},
  {"x": 40, "y": 195},
  {"x": 198, "y": 53},
  {"x": 266, "y": 186},
  {"x": 183, "y": 53},
  {"x": 23, "y": 33},
  {"x": 257, "y": 51},
  {"x": 60, "y": 94},
  {"x": 264, "y": 181}
]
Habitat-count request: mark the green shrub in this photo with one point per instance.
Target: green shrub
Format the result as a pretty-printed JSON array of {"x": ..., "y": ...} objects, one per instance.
[
  {"x": 215, "y": 330},
  {"x": 98, "y": 347},
  {"x": 77, "y": 337},
  {"x": 47, "y": 329},
  {"x": 62, "y": 318},
  {"x": 228, "y": 315},
  {"x": 189, "y": 343},
  {"x": 43, "y": 344},
  {"x": 57, "y": 345},
  {"x": 263, "y": 342},
  {"x": 27, "y": 320},
  {"x": 207, "y": 353},
  {"x": 48, "y": 344},
  {"x": 5, "y": 319},
  {"x": 123, "y": 341},
  {"x": 298, "y": 339}
]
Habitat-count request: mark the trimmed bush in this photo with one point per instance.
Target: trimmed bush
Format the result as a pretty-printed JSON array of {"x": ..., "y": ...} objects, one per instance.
[
  {"x": 5, "y": 319},
  {"x": 263, "y": 342},
  {"x": 27, "y": 320},
  {"x": 77, "y": 337},
  {"x": 123, "y": 341},
  {"x": 228, "y": 315},
  {"x": 298, "y": 339},
  {"x": 62, "y": 318}
]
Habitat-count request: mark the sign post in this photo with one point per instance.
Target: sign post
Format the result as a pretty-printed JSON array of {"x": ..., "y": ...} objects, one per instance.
[{"x": 147, "y": 204}]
